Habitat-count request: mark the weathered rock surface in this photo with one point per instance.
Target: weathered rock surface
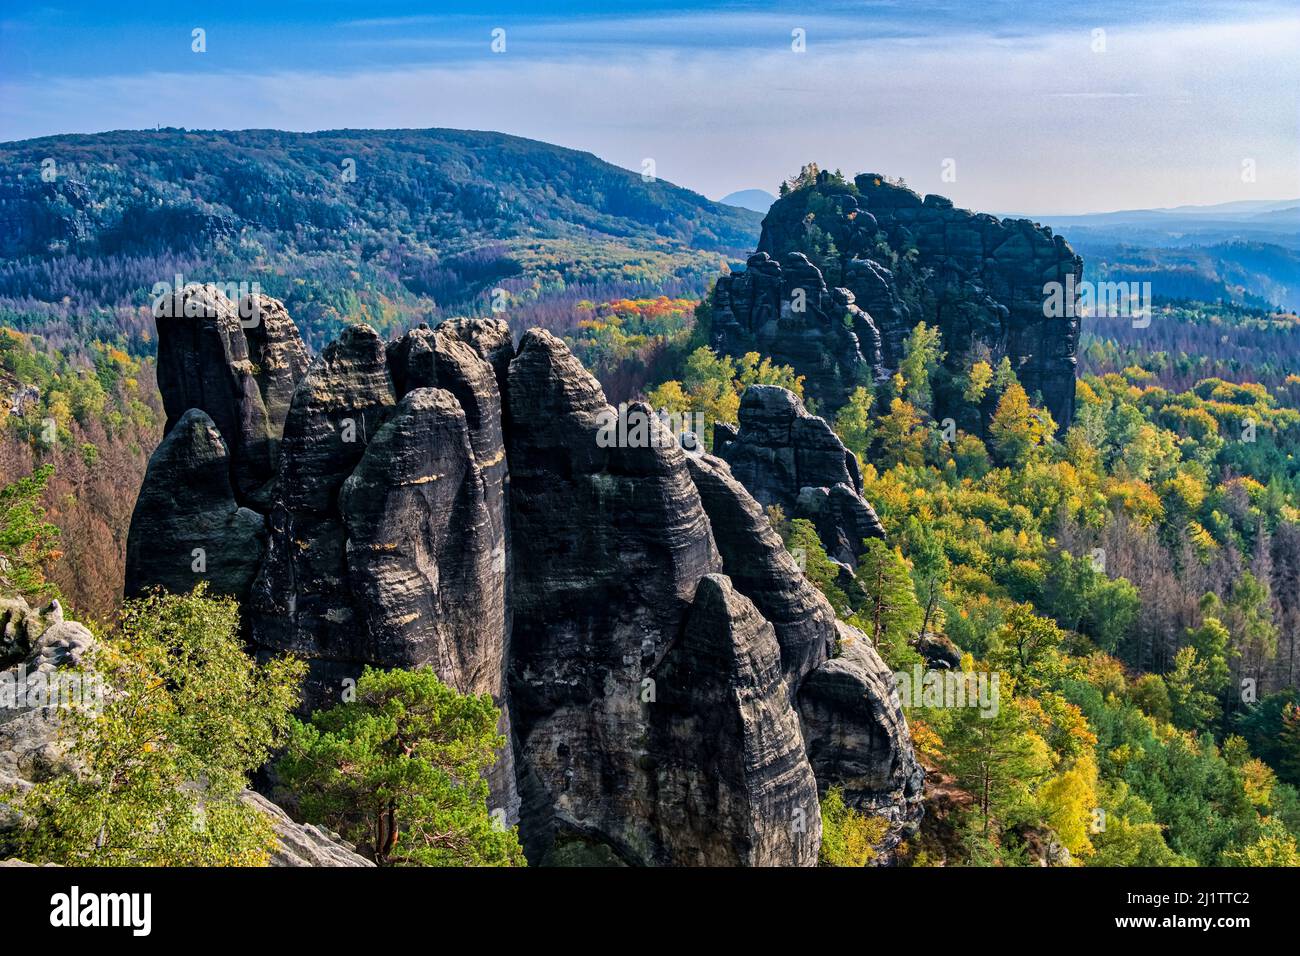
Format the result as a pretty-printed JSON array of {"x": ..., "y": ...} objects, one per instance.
[
  {"x": 204, "y": 362},
  {"x": 450, "y": 358},
  {"x": 187, "y": 526},
  {"x": 278, "y": 355},
  {"x": 491, "y": 339},
  {"x": 763, "y": 570},
  {"x": 780, "y": 448},
  {"x": 335, "y": 411},
  {"x": 980, "y": 279},
  {"x": 419, "y": 549},
  {"x": 843, "y": 520},
  {"x": 446, "y": 499},
  {"x": 31, "y": 748},
  {"x": 386, "y": 526},
  {"x": 21, "y": 628},
  {"x": 857, "y": 736},
  {"x": 425, "y": 553},
  {"x": 40, "y": 643},
  {"x": 939, "y": 651},
  {"x": 304, "y": 844},
  {"x": 609, "y": 545},
  {"x": 787, "y": 457},
  {"x": 459, "y": 357},
  {"x": 732, "y": 782},
  {"x": 785, "y": 310},
  {"x": 987, "y": 285},
  {"x": 301, "y": 601},
  {"x": 850, "y": 738}
]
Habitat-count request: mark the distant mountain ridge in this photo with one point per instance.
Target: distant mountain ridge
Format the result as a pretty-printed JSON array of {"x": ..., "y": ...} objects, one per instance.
[
  {"x": 759, "y": 200},
  {"x": 414, "y": 220},
  {"x": 1247, "y": 251},
  {"x": 1229, "y": 211},
  {"x": 1276, "y": 221},
  {"x": 506, "y": 182}
]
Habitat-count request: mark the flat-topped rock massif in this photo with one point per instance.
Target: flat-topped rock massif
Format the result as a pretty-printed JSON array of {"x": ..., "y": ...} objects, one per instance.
[
  {"x": 669, "y": 680},
  {"x": 843, "y": 272}
]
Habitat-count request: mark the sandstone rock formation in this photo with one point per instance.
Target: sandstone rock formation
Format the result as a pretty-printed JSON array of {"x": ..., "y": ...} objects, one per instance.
[
  {"x": 278, "y": 355},
  {"x": 856, "y": 735},
  {"x": 733, "y": 780},
  {"x": 300, "y": 600},
  {"x": 207, "y": 361},
  {"x": 304, "y": 844},
  {"x": 939, "y": 651},
  {"x": 787, "y": 457},
  {"x": 764, "y": 571},
  {"x": 37, "y": 644},
  {"x": 187, "y": 518},
  {"x": 445, "y": 500},
  {"x": 980, "y": 279},
  {"x": 608, "y": 547},
  {"x": 784, "y": 309},
  {"x": 41, "y": 643}
]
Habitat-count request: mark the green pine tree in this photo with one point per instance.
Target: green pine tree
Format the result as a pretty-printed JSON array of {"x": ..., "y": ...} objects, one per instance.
[
  {"x": 28, "y": 542},
  {"x": 399, "y": 771},
  {"x": 891, "y": 616}
]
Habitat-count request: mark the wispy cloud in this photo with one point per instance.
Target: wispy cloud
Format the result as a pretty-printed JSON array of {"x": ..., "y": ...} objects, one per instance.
[{"x": 1165, "y": 115}]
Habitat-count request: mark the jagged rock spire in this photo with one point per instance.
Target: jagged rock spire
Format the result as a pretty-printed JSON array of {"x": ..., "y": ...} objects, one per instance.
[{"x": 448, "y": 500}]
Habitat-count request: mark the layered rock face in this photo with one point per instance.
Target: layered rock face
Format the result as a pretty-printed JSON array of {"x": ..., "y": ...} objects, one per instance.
[
  {"x": 447, "y": 499},
  {"x": 980, "y": 279},
  {"x": 302, "y": 600},
  {"x": 384, "y": 526},
  {"x": 785, "y": 456},
  {"x": 242, "y": 381},
  {"x": 783, "y": 309},
  {"x": 764, "y": 571},
  {"x": 856, "y": 735},
  {"x": 186, "y": 520},
  {"x": 727, "y": 751}
]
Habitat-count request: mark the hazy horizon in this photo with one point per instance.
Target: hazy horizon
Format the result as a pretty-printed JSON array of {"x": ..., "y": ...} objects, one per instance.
[{"x": 1009, "y": 107}]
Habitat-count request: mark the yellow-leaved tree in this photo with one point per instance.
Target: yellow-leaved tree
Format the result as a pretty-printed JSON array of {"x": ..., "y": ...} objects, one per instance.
[{"x": 1018, "y": 428}]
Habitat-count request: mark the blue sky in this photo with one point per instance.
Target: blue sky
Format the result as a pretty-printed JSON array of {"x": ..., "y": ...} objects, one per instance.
[{"x": 1035, "y": 111}]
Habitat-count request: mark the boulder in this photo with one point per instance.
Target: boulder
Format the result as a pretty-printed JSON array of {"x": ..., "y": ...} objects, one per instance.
[
  {"x": 939, "y": 651},
  {"x": 31, "y": 748},
  {"x": 304, "y": 844}
]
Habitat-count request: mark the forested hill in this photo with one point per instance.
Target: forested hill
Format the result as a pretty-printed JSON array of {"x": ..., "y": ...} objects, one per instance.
[{"x": 377, "y": 224}]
